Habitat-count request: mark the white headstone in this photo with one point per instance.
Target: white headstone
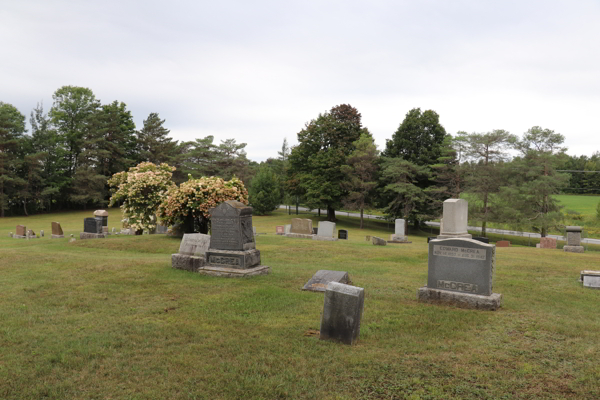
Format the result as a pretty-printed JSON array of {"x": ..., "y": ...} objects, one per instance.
[
  {"x": 456, "y": 213},
  {"x": 326, "y": 229}
]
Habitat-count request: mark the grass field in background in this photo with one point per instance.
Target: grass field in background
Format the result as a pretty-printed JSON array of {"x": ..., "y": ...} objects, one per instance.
[{"x": 100, "y": 319}]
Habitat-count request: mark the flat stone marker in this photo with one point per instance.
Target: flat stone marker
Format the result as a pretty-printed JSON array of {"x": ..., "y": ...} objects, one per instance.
[
  {"x": 343, "y": 234},
  {"x": 460, "y": 272},
  {"x": 191, "y": 252},
  {"x": 590, "y": 279},
  {"x": 547, "y": 243},
  {"x": 377, "y": 241},
  {"x": 325, "y": 231},
  {"x": 502, "y": 243},
  {"x": 342, "y": 312},
  {"x": 280, "y": 230},
  {"x": 319, "y": 281},
  {"x": 456, "y": 212},
  {"x": 574, "y": 240}
]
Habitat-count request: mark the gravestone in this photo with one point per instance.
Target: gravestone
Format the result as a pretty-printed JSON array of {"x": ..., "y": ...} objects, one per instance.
[
  {"x": 21, "y": 232},
  {"x": 590, "y": 279},
  {"x": 574, "y": 240},
  {"x": 287, "y": 229},
  {"x": 547, "y": 243},
  {"x": 57, "y": 232},
  {"x": 325, "y": 231},
  {"x": 342, "y": 312},
  {"x": 301, "y": 229},
  {"x": 502, "y": 243},
  {"x": 319, "y": 281},
  {"x": 92, "y": 229},
  {"x": 191, "y": 252},
  {"x": 280, "y": 230},
  {"x": 72, "y": 239},
  {"x": 399, "y": 235},
  {"x": 315, "y": 231},
  {"x": 161, "y": 229},
  {"x": 460, "y": 272},
  {"x": 103, "y": 216},
  {"x": 232, "y": 251},
  {"x": 41, "y": 232},
  {"x": 343, "y": 234},
  {"x": 456, "y": 213},
  {"x": 377, "y": 241},
  {"x": 31, "y": 233}
]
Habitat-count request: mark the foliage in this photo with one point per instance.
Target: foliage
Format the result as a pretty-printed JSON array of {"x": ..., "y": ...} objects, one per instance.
[
  {"x": 265, "y": 191},
  {"x": 154, "y": 144},
  {"x": 12, "y": 127},
  {"x": 141, "y": 190},
  {"x": 190, "y": 203},
  {"x": 449, "y": 173}
]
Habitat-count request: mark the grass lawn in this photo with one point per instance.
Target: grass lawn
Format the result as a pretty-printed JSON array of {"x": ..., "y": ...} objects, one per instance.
[
  {"x": 585, "y": 205},
  {"x": 110, "y": 319}
]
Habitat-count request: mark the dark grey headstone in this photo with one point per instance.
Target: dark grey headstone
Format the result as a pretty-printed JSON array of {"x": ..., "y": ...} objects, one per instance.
[
  {"x": 342, "y": 313},
  {"x": 343, "y": 234},
  {"x": 461, "y": 265},
  {"x": 315, "y": 231},
  {"x": 319, "y": 281},
  {"x": 92, "y": 225},
  {"x": 231, "y": 226}
]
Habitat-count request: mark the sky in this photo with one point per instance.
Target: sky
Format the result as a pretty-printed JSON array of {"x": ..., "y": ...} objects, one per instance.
[{"x": 258, "y": 71}]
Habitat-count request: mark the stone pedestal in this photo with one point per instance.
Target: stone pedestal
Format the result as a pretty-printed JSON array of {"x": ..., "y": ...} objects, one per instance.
[
  {"x": 186, "y": 262},
  {"x": 462, "y": 300},
  {"x": 88, "y": 235},
  {"x": 233, "y": 259},
  {"x": 456, "y": 212},
  {"x": 574, "y": 249},
  {"x": 574, "y": 240},
  {"x": 325, "y": 238}
]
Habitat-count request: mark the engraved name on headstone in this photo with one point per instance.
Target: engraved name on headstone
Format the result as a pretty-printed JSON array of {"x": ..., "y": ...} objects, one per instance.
[{"x": 231, "y": 224}]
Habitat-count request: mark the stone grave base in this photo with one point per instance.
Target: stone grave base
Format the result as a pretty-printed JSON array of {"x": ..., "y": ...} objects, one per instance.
[
  {"x": 233, "y": 259},
  {"x": 87, "y": 235},
  {"x": 57, "y": 237},
  {"x": 319, "y": 281},
  {"x": 574, "y": 249},
  {"x": 299, "y": 235},
  {"x": 462, "y": 300},
  {"x": 186, "y": 263},
  {"x": 234, "y": 272},
  {"x": 455, "y": 236},
  {"x": 330, "y": 239},
  {"x": 19, "y": 237},
  {"x": 398, "y": 241}
]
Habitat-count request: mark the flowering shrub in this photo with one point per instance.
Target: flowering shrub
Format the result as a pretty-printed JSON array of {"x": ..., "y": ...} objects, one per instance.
[
  {"x": 189, "y": 204},
  {"x": 141, "y": 189}
]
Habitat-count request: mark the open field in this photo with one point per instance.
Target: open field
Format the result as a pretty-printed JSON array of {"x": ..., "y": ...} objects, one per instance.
[{"x": 109, "y": 319}]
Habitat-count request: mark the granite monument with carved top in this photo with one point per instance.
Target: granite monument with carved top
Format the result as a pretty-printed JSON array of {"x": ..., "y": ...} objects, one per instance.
[
  {"x": 92, "y": 229},
  {"x": 460, "y": 272},
  {"x": 232, "y": 251}
]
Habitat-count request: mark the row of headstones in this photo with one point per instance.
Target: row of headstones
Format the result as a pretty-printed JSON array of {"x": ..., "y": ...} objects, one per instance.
[
  {"x": 23, "y": 233},
  {"x": 325, "y": 231}
]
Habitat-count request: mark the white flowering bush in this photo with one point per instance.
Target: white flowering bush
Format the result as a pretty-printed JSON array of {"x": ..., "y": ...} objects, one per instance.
[
  {"x": 141, "y": 189},
  {"x": 189, "y": 204}
]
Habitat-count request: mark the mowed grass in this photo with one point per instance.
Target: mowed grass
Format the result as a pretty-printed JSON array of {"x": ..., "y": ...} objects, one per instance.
[
  {"x": 585, "y": 205},
  {"x": 110, "y": 319}
]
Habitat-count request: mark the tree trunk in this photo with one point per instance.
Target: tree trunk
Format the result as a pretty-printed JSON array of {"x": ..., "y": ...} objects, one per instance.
[
  {"x": 485, "y": 213},
  {"x": 319, "y": 213},
  {"x": 25, "y": 208},
  {"x": 361, "y": 218},
  {"x": 330, "y": 214}
]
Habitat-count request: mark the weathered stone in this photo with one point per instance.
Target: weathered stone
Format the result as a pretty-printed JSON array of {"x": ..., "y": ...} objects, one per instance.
[
  {"x": 377, "y": 241},
  {"x": 88, "y": 235},
  {"x": 161, "y": 229},
  {"x": 231, "y": 227},
  {"x": 288, "y": 229},
  {"x": 100, "y": 213},
  {"x": 57, "y": 229},
  {"x": 502, "y": 243},
  {"x": 194, "y": 244},
  {"x": 342, "y": 313},
  {"x": 21, "y": 230},
  {"x": 461, "y": 265},
  {"x": 31, "y": 233},
  {"x": 590, "y": 279},
  {"x": 302, "y": 226},
  {"x": 319, "y": 281},
  {"x": 92, "y": 225},
  {"x": 299, "y": 236},
  {"x": 280, "y": 230},
  {"x": 326, "y": 229},
  {"x": 400, "y": 230},
  {"x": 456, "y": 212},
  {"x": 41, "y": 232},
  {"x": 233, "y": 259},
  {"x": 233, "y": 272},
  {"x": 343, "y": 234},
  {"x": 547, "y": 243},
  {"x": 574, "y": 249},
  {"x": 187, "y": 262},
  {"x": 462, "y": 300},
  {"x": 574, "y": 237}
]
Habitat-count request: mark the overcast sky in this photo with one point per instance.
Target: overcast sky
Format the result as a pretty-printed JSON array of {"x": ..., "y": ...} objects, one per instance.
[{"x": 257, "y": 71}]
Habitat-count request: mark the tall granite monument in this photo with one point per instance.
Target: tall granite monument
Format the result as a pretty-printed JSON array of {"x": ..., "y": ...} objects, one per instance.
[
  {"x": 232, "y": 250},
  {"x": 574, "y": 240},
  {"x": 456, "y": 213}
]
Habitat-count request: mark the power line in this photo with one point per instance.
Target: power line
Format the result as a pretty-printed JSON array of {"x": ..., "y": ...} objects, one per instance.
[{"x": 573, "y": 170}]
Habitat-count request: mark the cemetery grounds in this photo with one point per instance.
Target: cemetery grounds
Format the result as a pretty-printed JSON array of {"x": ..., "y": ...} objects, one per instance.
[{"x": 110, "y": 318}]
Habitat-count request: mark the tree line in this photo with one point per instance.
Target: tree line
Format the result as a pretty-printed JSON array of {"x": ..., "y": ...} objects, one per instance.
[{"x": 74, "y": 148}]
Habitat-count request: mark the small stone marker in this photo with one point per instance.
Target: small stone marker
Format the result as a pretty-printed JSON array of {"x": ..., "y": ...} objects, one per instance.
[
  {"x": 399, "y": 231},
  {"x": 342, "y": 312},
  {"x": 10, "y": 234},
  {"x": 280, "y": 230},
  {"x": 456, "y": 212},
  {"x": 191, "y": 252},
  {"x": 502, "y": 243},
  {"x": 368, "y": 238},
  {"x": 590, "y": 279},
  {"x": 301, "y": 229},
  {"x": 377, "y": 241},
  {"x": 319, "y": 281},
  {"x": 92, "y": 229},
  {"x": 343, "y": 234},
  {"x": 31, "y": 233},
  {"x": 161, "y": 229},
  {"x": 288, "y": 229},
  {"x": 232, "y": 251},
  {"x": 574, "y": 240},
  {"x": 547, "y": 243},
  {"x": 21, "y": 232},
  {"x": 460, "y": 272},
  {"x": 325, "y": 231},
  {"x": 41, "y": 232}
]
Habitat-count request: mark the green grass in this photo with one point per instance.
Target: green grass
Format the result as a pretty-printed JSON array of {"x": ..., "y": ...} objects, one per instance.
[
  {"x": 109, "y": 319},
  {"x": 585, "y": 205}
]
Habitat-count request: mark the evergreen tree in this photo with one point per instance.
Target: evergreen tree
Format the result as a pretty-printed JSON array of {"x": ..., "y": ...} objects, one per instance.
[
  {"x": 154, "y": 144},
  {"x": 265, "y": 193},
  {"x": 12, "y": 128}
]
